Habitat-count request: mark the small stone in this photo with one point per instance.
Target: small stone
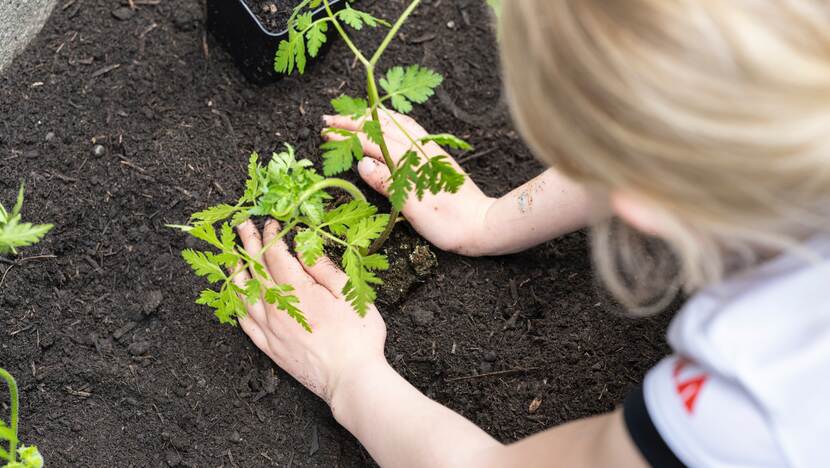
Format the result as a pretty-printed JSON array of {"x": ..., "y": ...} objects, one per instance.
[
  {"x": 423, "y": 260},
  {"x": 138, "y": 348},
  {"x": 152, "y": 301},
  {"x": 534, "y": 405},
  {"x": 422, "y": 317},
  {"x": 490, "y": 356},
  {"x": 486, "y": 367},
  {"x": 304, "y": 133},
  {"x": 50, "y": 136},
  {"x": 123, "y": 13},
  {"x": 99, "y": 150},
  {"x": 451, "y": 24},
  {"x": 173, "y": 458},
  {"x": 31, "y": 154},
  {"x": 235, "y": 437}
]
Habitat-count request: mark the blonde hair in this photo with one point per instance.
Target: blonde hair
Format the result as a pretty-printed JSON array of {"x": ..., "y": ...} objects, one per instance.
[{"x": 714, "y": 113}]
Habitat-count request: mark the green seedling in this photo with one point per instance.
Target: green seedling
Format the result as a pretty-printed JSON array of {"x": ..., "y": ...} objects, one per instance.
[
  {"x": 417, "y": 172},
  {"x": 291, "y": 191},
  {"x": 14, "y": 456},
  {"x": 14, "y": 233}
]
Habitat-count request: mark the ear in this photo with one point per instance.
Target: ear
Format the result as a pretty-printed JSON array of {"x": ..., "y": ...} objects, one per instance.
[{"x": 637, "y": 213}]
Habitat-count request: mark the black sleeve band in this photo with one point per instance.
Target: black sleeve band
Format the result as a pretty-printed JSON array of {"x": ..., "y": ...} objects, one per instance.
[{"x": 644, "y": 434}]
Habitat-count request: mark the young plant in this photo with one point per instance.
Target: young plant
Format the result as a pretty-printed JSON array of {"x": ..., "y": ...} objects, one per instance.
[
  {"x": 14, "y": 233},
  {"x": 22, "y": 457},
  {"x": 403, "y": 86},
  {"x": 292, "y": 192}
]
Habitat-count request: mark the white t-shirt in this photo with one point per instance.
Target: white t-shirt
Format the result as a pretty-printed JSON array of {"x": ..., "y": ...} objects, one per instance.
[{"x": 749, "y": 383}]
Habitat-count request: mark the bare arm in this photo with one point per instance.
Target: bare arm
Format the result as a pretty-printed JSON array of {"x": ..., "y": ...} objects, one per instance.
[
  {"x": 548, "y": 206},
  {"x": 402, "y": 428},
  {"x": 469, "y": 222},
  {"x": 343, "y": 362}
]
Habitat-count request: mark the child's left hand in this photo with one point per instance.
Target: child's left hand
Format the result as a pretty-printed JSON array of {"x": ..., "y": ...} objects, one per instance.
[{"x": 342, "y": 346}]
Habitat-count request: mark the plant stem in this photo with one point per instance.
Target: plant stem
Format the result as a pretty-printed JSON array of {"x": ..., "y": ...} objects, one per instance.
[
  {"x": 393, "y": 32},
  {"x": 374, "y": 102},
  {"x": 13, "y": 414},
  {"x": 345, "y": 36}
]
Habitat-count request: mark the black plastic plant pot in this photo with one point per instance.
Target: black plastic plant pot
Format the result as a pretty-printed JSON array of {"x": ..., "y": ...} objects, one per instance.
[{"x": 251, "y": 45}]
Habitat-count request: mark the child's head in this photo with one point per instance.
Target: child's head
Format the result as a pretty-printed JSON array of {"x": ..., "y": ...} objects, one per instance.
[{"x": 706, "y": 122}]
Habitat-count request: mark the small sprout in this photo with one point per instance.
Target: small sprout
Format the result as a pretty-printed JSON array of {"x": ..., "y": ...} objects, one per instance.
[
  {"x": 14, "y": 456},
  {"x": 14, "y": 233}
]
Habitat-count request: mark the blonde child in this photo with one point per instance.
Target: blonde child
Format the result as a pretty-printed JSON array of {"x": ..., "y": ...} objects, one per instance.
[{"x": 702, "y": 123}]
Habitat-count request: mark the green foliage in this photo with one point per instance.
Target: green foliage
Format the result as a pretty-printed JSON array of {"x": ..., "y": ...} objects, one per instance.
[
  {"x": 22, "y": 457},
  {"x": 404, "y": 87},
  {"x": 339, "y": 155},
  {"x": 435, "y": 175},
  {"x": 14, "y": 233},
  {"x": 306, "y": 35},
  {"x": 292, "y": 192},
  {"x": 411, "y": 84}
]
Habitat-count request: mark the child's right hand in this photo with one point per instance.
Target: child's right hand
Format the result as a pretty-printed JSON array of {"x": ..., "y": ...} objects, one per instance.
[{"x": 451, "y": 222}]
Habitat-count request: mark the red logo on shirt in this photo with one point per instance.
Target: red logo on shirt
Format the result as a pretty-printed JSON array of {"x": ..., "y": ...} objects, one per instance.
[{"x": 688, "y": 387}]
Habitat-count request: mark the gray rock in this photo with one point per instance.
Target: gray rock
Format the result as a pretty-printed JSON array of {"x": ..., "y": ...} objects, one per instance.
[
  {"x": 99, "y": 150},
  {"x": 152, "y": 301},
  {"x": 50, "y": 136},
  {"x": 422, "y": 317},
  {"x": 20, "y": 21},
  {"x": 123, "y": 13}
]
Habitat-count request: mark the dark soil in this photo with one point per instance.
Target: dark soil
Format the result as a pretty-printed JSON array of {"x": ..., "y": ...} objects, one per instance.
[
  {"x": 273, "y": 14},
  {"x": 118, "y": 367}
]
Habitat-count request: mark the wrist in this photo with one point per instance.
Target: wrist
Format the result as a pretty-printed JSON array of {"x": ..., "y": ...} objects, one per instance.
[
  {"x": 357, "y": 385},
  {"x": 482, "y": 239}
]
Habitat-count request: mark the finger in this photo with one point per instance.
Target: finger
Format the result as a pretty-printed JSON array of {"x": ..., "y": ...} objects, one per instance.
[
  {"x": 402, "y": 129},
  {"x": 376, "y": 174},
  {"x": 342, "y": 122},
  {"x": 328, "y": 275},
  {"x": 254, "y": 332},
  {"x": 284, "y": 267},
  {"x": 396, "y": 148},
  {"x": 256, "y": 310},
  {"x": 251, "y": 238},
  {"x": 401, "y": 121}
]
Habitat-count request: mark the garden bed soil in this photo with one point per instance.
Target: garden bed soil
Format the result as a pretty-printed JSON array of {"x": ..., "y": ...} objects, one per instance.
[
  {"x": 118, "y": 366},
  {"x": 273, "y": 14}
]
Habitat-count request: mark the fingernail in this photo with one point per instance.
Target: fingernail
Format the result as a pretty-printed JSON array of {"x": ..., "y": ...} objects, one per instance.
[
  {"x": 327, "y": 120},
  {"x": 366, "y": 166}
]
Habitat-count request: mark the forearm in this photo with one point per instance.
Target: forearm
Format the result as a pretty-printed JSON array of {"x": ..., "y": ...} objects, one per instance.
[
  {"x": 402, "y": 428},
  {"x": 544, "y": 208}
]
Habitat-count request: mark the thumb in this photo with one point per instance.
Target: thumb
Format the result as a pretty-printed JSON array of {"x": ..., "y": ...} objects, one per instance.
[{"x": 375, "y": 173}]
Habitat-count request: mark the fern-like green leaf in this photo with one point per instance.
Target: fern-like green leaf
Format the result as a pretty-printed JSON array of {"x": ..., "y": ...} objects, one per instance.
[
  {"x": 281, "y": 297},
  {"x": 445, "y": 139},
  {"x": 339, "y": 155},
  {"x": 204, "y": 264},
  {"x": 309, "y": 246},
  {"x": 411, "y": 84},
  {"x": 350, "y": 107}
]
